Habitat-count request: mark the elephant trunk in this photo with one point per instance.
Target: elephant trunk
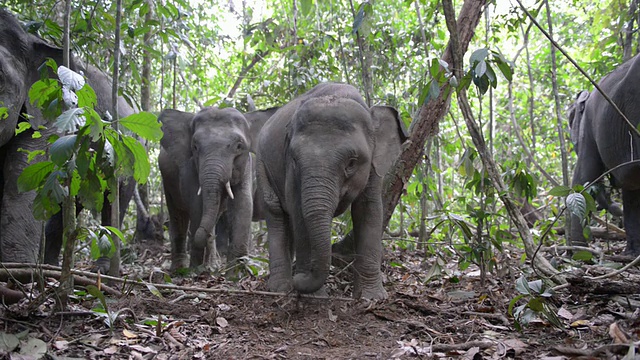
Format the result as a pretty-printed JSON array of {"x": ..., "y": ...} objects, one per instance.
[
  {"x": 213, "y": 185},
  {"x": 319, "y": 200}
]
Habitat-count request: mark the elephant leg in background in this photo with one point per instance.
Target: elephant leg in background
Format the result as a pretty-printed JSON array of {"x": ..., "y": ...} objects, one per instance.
[
  {"x": 631, "y": 209},
  {"x": 20, "y": 232},
  {"x": 238, "y": 216},
  {"x": 279, "y": 238},
  {"x": 222, "y": 235},
  {"x": 366, "y": 213}
]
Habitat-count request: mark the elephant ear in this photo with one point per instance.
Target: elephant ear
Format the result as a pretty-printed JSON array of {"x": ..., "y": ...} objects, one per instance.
[
  {"x": 256, "y": 120},
  {"x": 576, "y": 112},
  {"x": 390, "y": 133},
  {"x": 176, "y": 126}
]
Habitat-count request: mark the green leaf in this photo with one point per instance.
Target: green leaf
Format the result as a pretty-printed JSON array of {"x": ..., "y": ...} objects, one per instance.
[
  {"x": 144, "y": 124},
  {"x": 577, "y": 205},
  {"x": 478, "y": 55},
  {"x": 481, "y": 68},
  {"x": 8, "y": 342},
  {"x": 560, "y": 191},
  {"x": 305, "y": 6},
  {"x": 93, "y": 290},
  {"x": 154, "y": 290},
  {"x": 22, "y": 127},
  {"x": 360, "y": 15},
  {"x": 62, "y": 149},
  {"x": 582, "y": 255},
  {"x": 115, "y": 231},
  {"x": 33, "y": 175},
  {"x": 70, "y": 120},
  {"x": 141, "y": 165},
  {"x": 43, "y": 92},
  {"x": 4, "y": 113},
  {"x": 87, "y": 97},
  {"x": 52, "y": 187}
]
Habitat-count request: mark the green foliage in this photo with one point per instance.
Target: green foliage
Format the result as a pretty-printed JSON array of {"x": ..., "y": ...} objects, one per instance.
[{"x": 538, "y": 302}]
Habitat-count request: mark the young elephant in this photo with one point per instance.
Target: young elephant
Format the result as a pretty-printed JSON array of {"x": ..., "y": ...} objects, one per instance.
[
  {"x": 206, "y": 171},
  {"x": 604, "y": 141},
  {"x": 319, "y": 154}
]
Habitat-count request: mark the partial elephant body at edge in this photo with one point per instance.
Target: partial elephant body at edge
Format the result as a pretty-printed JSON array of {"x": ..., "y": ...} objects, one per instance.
[
  {"x": 603, "y": 141},
  {"x": 21, "y": 54}
]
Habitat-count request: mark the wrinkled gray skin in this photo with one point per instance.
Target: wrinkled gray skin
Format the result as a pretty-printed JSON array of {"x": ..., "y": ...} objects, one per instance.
[
  {"x": 603, "y": 140},
  {"x": 200, "y": 154},
  {"x": 319, "y": 154},
  {"x": 21, "y": 54}
]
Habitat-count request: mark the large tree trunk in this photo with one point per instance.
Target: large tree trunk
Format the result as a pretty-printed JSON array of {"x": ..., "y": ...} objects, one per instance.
[{"x": 426, "y": 125}]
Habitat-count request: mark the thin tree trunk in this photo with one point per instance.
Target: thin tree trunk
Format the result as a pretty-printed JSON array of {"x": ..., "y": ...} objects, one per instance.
[
  {"x": 114, "y": 269},
  {"x": 563, "y": 147},
  {"x": 69, "y": 202},
  {"x": 362, "y": 56},
  {"x": 142, "y": 208},
  {"x": 492, "y": 170}
]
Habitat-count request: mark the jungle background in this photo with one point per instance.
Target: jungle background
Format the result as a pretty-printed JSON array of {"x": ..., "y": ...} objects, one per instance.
[{"x": 462, "y": 280}]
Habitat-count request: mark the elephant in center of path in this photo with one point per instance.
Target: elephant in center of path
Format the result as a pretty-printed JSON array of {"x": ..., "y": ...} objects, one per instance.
[
  {"x": 207, "y": 174},
  {"x": 604, "y": 141},
  {"x": 319, "y": 154}
]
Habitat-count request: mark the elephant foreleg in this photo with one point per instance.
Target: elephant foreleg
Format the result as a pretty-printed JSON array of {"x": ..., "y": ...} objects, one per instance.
[
  {"x": 631, "y": 209},
  {"x": 366, "y": 212},
  {"x": 239, "y": 218},
  {"x": 178, "y": 223}
]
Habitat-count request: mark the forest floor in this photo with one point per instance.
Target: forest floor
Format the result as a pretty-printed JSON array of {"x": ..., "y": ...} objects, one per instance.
[{"x": 455, "y": 314}]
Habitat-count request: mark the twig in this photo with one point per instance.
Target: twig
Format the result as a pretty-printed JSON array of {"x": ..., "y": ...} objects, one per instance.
[
  {"x": 617, "y": 272},
  {"x": 463, "y": 346}
]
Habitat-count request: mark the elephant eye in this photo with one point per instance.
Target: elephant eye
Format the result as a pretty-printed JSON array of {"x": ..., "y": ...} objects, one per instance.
[{"x": 351, "y": 166}]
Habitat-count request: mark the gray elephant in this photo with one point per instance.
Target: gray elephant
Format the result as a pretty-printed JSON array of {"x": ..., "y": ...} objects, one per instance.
[
  {"x": 22, "y": 55},
  {"x": 319, "y": 154},
  {"x": 604, "y": 141},
  {"x": 206, "y": 172}
]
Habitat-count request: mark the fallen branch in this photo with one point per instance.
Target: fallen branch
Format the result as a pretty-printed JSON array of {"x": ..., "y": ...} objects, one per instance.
[
  {"x": 53, "y": 271},
  {"x": 463, "y": 346},
  {"x": 27, "y": 275},
  {"x": 618, "y": 349}
]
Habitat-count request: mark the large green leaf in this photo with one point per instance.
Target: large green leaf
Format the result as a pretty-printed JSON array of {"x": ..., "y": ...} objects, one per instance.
[
  {"x": 577, "y": 205},
  {"x": 142, "y": 168},
  {"x": 52, "y": 187},
  {"x": 62, "y": 149},
  {"x": 33, "y": 175},
  {"x": 144, "y": 124}
]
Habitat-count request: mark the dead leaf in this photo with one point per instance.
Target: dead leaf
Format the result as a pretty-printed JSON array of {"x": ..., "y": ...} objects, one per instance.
[
  {"x": 578, "y": 323},
  {"x": 111, "y": 350},
  {"x": 332, "y": 317},
  {"x": 143, "y": 349},
  {"x": 224, "y": 307},
  {"x": 617, "y": 334},
  {"x": 222, "y": 322},
  {"x": 565, "y": 314},
  {"x": 517, "y": 345},
  {"x": 278, "y": 329},
  {"x": 128, "y": 334}
]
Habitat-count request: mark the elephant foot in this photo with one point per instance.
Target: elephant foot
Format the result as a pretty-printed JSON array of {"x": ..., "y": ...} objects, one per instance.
[
  {"x": 279, "y": 286},
  {"x": 374, "y": 294},
  {"x": 632, "y": 251},
  {"x": 180, "y": 261}
]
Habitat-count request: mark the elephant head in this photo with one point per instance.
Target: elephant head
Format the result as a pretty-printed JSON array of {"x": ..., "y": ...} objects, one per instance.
[
  {"x": 318, "y": 155},
  {"x": 206, "y": 156}
]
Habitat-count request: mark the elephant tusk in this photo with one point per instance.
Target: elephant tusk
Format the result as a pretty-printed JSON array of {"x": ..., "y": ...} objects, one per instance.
[
  {"x": 199, "y": 190},
  {"x": 228, "y": 187}
]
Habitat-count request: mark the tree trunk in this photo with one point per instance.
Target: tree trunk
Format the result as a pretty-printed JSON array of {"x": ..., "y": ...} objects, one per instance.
[
  {"x": 426, "y": 125},
  {"x": 487, "y": 160},
  {"x": 114, "y": 269}
]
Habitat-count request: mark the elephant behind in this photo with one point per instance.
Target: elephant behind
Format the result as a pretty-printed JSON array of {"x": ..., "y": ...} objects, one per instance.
[
  {"x": 321, "y": 153},
  {"x": 21, "y": 54},
  {"x": 207, "y": 174},
  {"x": 604, "y": 141}
]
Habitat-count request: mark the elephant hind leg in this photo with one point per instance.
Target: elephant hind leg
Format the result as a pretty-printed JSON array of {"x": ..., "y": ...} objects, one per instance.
[{"x": 631, "y": 208}]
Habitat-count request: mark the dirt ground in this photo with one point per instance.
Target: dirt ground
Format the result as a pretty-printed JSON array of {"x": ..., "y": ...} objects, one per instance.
[{"x": 452, "y": 315}]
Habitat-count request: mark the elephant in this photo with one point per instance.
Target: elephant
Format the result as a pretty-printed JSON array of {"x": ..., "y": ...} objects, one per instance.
[
  {"x": 21, "y": 56},
  {"x": 319, "y": 154},
  {"x": 604, "y": 141},
  {"x": 206, "y": 171}
]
